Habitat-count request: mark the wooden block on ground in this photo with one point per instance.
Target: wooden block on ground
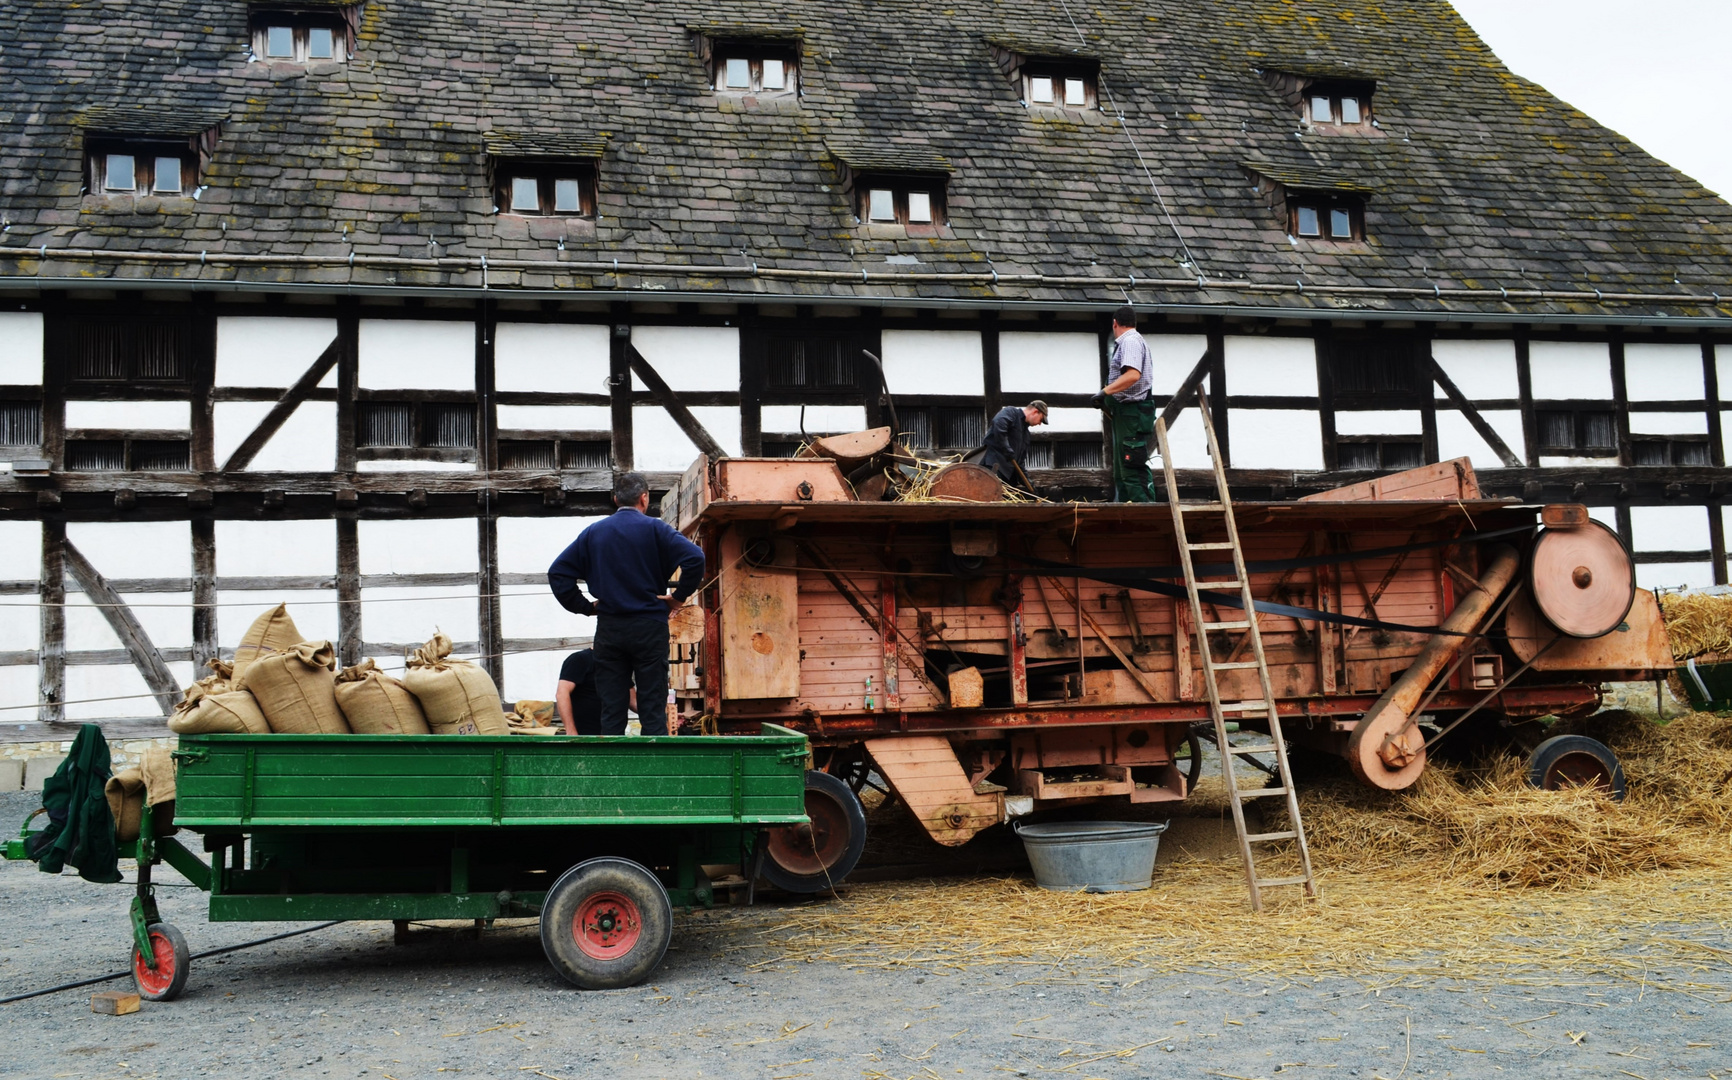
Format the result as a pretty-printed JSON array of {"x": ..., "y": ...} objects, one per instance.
[
  {"x": 113, "y": 1003},
  {"x": 11, "y": 774},
  {"x": 39, "y": 769}
]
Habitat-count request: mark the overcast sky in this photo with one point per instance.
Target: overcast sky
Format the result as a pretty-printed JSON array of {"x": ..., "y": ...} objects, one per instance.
[{"x": 1652, "y": 70}]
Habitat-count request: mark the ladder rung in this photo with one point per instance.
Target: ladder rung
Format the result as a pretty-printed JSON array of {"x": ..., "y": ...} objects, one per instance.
[
  {"x": 1219, "y": 586},
  {"x": 1257, "y": 838},
  {"x": 1242, "y": 624},
  {"x": 1269, "y": 883},
  {"x": 1235, "y": 665},
  {"x": 1212, "y": 545},
  {"x": 1266, "y": 748},
  {"x": 1202, "y": 508},
  {"x": 1244, "y": 706},
  {"x": 1262, "y": 792}
]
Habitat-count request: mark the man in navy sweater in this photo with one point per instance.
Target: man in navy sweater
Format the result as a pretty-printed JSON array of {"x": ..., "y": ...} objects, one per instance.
[{"x": 627, "y": 561}]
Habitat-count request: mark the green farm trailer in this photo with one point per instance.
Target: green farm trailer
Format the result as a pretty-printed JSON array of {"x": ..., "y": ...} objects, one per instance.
[{"x": 600, "y": 838}]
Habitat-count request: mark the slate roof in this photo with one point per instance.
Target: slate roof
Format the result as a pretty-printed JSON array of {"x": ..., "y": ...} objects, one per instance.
[{"x": 1485, "y": 182}]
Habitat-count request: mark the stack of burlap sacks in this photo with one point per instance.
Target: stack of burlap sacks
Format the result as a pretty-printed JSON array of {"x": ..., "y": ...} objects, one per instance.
[{"x": 282, "y": 684}]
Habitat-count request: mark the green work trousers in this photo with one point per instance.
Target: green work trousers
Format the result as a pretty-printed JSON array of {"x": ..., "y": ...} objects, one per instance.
[{"x": 1133, "y": 424}]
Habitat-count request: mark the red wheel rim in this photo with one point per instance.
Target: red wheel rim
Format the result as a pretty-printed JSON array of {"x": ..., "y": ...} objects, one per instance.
[
  {"x": 812, "y": 849},
  {"x": 157, "y": 980},
  {"x": 607, "y": 925},
  {"x": 1578, "y": 770}
]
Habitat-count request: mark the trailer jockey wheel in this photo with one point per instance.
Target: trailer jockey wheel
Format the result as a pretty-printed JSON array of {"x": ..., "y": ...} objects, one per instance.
[
  {"x": 811, "y": 858},
  {"x": 1576, "y": 761},
  {"x": 165, "y": 981},
  {"x": 606, "y": 924}
]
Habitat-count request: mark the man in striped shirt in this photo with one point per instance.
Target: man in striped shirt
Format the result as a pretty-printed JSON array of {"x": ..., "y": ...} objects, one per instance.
[{"x": 1125, "y": 399}]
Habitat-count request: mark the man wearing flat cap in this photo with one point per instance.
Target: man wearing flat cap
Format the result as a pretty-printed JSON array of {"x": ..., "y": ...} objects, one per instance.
[{"x": 1007, "y": 441}]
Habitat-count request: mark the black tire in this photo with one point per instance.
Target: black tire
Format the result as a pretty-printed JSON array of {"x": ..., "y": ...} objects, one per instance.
[
  {"x": 157, "y": 984},
  {"x": 808, "y": 859},
  {"x": 626, "y": 924},
  {"x": 1193, "y": 766},
  {"x": 1572, "y": 760}
]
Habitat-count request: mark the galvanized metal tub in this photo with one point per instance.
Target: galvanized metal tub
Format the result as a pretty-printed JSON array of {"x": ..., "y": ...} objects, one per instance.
[{"x": 1092, "y": 856}]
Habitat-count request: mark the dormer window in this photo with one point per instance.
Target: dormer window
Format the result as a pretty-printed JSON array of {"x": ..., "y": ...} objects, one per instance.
[
  {"x": 1325, "y": 217},
  {"x": 898, "y": 200},
  {"x": 1329, "y": 101},
  {"x": 545, "y": 188},
  {"x": 302, "y": 37},
  {"x": 1338, "y": 104},
  {"x": 124, "y": 166},
  {"x": 750, "y": 67},
  {"x": 1058, "y": 85}
]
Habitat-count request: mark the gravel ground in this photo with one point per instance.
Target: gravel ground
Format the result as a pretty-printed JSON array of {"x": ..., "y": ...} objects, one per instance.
[{"x": 347, "y": 1002}]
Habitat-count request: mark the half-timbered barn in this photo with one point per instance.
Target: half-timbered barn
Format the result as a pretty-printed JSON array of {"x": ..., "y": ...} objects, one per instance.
[{"x": 358, "y": 305}]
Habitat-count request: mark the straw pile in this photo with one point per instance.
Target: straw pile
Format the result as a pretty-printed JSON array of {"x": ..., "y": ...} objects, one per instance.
[
  {"x": 1697, "y": 623},
  {"x": 1470, "y": 874}
]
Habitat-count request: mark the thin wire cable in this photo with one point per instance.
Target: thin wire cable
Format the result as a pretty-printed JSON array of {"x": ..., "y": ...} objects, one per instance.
[{"x": 1119, "y": 114}]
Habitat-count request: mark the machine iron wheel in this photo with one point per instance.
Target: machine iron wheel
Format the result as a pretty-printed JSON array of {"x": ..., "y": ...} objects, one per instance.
[
  {"x": 1575, "y": 761},
  {"x": 812, "y": 858},
  {"x": 606, "y": 924},
  {"x": 165, "y": 981},
  {"x": 850, "y": 765},
  {"x": 1193, "y": 764}
]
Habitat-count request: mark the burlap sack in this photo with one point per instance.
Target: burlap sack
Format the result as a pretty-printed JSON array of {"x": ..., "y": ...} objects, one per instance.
[
  {"x": 270, "y": 634},
  {"x": 157, "y": 769},
  {"x": 297, "y": 690},
  {"x": 534, "y": 714},
  {"x": 125, "y": 792},
  {"x": 376, "y": 704},
  {"x": 231, "y": 713},
  {"x": 457, "y": 697}
]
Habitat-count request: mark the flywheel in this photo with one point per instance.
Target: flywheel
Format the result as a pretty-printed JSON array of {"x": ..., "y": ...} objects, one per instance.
[{"x": 1583, "y": 579}]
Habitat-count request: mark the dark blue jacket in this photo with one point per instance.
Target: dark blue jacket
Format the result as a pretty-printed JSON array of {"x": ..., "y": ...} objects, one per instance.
[{"x": 626, "y": 561}]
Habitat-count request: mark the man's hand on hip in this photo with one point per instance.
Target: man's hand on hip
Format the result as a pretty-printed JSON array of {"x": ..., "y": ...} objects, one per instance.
[{"x": 673, "y": 603}]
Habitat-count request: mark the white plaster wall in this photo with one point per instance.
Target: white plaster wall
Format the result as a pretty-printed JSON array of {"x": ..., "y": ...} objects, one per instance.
[
  {"x": 1072, "y": 420},
  {"x": 1271, "y": 366},
  {"x": 21, "y": 348},
  {"x": 552, "y": 358},
  {"x": 1457, "y": 438},
  {"x": 1382, "y": 422},
  {"x": 1655, "y": 372},
  {"x": 1723, "y": 371},
  {"x": 165, "y": 617},
  {"x": 1275, "y": 438},
  {"x": 1570, "y": 370},
  {"x": 1675, "y": 575},
  {"x": 533, "y": 675},
  {"x": 529, "y": 545},
  {"x": 690, "y": 357},
  {"x": 418, "y": 546},
  {"x": 282, "y": 548},
  {"x": 20, "y": 560},
  {"x": 18, "y": 687},
  {"x": 1668, "y": 528},
  {"x": 413, "y": 466},
  {"x": 1189, "y": 444},
  {"x": 271, "y": 351},
  {"x": 84, "y": 683},
  {"x": 659, "y": 445},
  {"x": 307, "y": 441},
  {"x": 1481, "y": 370},
  {"x": 20, "y": 551},
  {"x": 135, "y": 549},
  {"x": 416, "y": 355},
  {"x": 1668, "y": 423},
  {"x": 1174, "y": 356},
  {"x": 1577, "y": 462},
  {"x": 1605, "y": 515},
  {"x": 410, "y": 615},
  {"x": 141, "y": 415},
  {"x": 785, "y": 419},
  {"x": 933, "y": 362},
  {"x": 313, "y": 611},
  {"x": 1034, "y": 364},
  {"x": 554, "y": 417}
]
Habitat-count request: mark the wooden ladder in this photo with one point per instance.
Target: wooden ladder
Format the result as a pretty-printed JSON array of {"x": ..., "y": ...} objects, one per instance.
[{"x": 1263, "y": 707}]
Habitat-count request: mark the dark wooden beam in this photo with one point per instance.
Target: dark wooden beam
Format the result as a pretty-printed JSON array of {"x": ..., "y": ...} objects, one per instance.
[
  {"x": 348, "y": 591},
  {"x": 488, "y": 613},
  {"x": 52, "y": 692},
  {"x": 285, "y": 406},
  {"x": 137, "y": 643},
  {"x": 1186, "y": 395},
  {"x": 204, "y": 594},
  {"x": 619, "y": 386},
  {"x": 1485, "y": 430},
  {"x": 676, "y": 408}
]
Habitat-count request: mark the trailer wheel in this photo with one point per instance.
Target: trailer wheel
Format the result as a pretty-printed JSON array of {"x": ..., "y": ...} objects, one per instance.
[
  {"x": 1191, "y": 763},
  {"x": 165, "y": 981},
  {"x": 1575, "y": 761},
  {"x": 811, "y": 858},
  {"x": 606, "y": 924}
]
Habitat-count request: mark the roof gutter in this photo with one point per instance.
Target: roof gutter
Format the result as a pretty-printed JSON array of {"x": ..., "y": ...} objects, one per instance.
[{"x": 486, "y": 273}]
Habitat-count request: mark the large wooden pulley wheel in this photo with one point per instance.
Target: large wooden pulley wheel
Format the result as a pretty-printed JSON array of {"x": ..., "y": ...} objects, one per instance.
[{"x": 1583, "y": 579}]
